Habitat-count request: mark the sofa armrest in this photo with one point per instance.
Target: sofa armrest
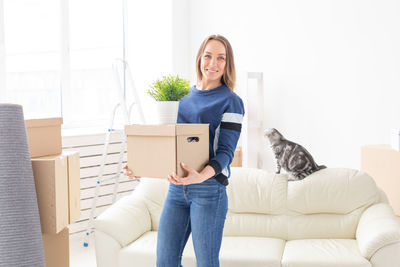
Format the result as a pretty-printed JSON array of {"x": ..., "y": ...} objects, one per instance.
[
  {"x": 388, "y": 256},
  {"x": 378, "y": 227},
  {"x": 125, "y": 220},
  {"x": 107, "y": 249}
]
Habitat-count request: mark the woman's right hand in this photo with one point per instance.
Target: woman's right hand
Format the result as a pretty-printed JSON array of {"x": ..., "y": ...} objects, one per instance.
[{"x": 129, "y": 173}]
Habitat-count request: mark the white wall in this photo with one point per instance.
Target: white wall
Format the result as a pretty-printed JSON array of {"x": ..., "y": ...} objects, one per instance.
[
  {"x": 331, "y": 68},
  {"x": 180, "y": 38},
  {"x": 149, "y": 47},
  {"x": 2, "y": 55}
]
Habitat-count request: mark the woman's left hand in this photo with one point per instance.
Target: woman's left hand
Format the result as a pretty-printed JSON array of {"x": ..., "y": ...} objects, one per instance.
[{"x": 193, "y": 177}]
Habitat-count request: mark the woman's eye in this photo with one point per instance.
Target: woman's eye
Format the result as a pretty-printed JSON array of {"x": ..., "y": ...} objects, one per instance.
[
  {"x": 208, "y": 56},
  {"x": 221, "y": 58}
]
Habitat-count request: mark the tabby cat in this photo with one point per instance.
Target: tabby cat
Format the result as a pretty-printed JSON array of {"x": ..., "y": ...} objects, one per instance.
[{"x": 292, "y": 157}]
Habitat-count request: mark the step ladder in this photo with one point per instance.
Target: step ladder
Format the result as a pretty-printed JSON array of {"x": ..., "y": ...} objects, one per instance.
[{"x": 121, "y": 70}]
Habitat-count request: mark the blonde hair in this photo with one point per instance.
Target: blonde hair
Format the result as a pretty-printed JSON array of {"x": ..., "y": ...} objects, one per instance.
[{"x": 229, "y": 76}]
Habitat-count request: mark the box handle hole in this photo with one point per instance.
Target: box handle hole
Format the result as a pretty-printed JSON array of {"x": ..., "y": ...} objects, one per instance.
[{"x": 193, "y": 139}]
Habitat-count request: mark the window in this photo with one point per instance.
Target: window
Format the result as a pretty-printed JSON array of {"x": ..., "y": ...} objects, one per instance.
[
  {"x": 32, "y": 56},
  {"x": 96, "y": 40},
  {"x": 59, "y": 55}
]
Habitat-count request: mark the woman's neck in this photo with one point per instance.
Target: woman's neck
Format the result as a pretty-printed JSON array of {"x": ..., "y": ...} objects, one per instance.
[{"x": 205, "y": 85}]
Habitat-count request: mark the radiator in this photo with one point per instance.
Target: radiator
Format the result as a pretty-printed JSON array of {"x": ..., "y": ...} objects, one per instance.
[{"x": 90, "y": 148}]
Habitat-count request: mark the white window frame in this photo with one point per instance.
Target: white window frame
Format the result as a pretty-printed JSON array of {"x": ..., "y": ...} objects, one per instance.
[{"x": 65, "y": 68}]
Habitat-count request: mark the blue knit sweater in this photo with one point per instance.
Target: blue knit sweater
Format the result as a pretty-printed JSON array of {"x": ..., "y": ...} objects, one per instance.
[{"x": 224, "y": 111}]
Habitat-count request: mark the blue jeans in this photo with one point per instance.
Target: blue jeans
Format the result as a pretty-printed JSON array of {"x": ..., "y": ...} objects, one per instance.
[{"x": 197, "y": 208}]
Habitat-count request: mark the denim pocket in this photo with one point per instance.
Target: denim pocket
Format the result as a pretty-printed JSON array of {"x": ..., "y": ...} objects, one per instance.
[{"x": 215, "y": 181}]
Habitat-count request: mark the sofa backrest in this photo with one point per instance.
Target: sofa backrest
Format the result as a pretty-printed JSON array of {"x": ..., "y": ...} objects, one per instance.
[
  {"x": 256, "y": 204},
  {"x": 327, "y": 204}
]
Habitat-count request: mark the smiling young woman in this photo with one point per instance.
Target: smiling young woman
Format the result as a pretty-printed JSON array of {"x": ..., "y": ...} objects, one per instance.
[{"x": 197, "y": 203}]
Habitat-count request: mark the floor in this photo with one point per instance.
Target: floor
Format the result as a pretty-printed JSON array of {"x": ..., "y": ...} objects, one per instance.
[{"x": 81, "y": 256}]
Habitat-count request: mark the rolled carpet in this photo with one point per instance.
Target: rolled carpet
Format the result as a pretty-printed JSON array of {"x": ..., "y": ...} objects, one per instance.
[{"x": 20, "y": 233}]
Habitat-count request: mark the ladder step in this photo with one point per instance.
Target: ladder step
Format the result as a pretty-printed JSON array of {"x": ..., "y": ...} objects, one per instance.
[{"x": 116, "y": 130}]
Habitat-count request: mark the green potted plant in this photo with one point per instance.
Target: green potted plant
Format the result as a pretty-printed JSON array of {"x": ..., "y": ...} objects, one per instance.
[{"x": 167, "y": 92}]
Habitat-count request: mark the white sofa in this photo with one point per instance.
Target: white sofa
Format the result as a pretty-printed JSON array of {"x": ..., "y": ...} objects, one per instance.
[{"x": 334, "y": 217}]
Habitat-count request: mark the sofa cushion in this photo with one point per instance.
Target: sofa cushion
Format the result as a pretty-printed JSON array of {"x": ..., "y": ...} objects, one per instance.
[
  {"x": 235, "y": 252},
  {"x": 256, "y": 191},
  {"x": 153, "y": 191},
  {"x": 253, "y": 224},
  {"x": 251, "y": 252},
  {"x": 139, "y": 253},
  {"x": 323, "y": 225},
  {"x": 338, "y": 191},
  {"x": 329, "y": 203},
  {"x": 256, "y": 204},
  {"x": 129, "y": 210},
  {"x": 323, "y": 252}
]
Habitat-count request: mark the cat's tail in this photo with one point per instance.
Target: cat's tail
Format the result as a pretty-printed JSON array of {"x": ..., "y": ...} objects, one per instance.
[{"x": 320, "y": 167}]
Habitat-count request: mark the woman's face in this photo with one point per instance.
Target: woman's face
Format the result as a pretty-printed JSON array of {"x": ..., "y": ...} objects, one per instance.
[{"x": 213, "y": 61}]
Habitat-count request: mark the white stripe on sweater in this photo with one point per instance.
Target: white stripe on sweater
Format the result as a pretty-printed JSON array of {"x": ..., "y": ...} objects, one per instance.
[
  {"x": 216, "y": 140},
  {"x": 232, "y": 117}
]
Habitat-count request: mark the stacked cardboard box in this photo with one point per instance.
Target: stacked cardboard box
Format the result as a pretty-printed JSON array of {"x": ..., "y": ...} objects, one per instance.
[
  {"x": 57, "y": 181},
  {"x": 51, "y": 180},
  {"x": 56, "y": 248},
  {"x": 44, "y": 136},
  {"x": 383, "y": 163},
  {"x": 237, "y": 158}
]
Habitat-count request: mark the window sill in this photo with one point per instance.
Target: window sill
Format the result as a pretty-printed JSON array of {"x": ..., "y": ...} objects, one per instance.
[{"x": 69, "y": 132}]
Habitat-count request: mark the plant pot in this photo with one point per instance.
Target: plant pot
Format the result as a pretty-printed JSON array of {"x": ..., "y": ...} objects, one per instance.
[{"x": 167, "y": 111}]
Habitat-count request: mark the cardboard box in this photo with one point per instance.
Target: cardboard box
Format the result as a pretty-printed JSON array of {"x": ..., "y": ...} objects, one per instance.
[
  {"x": 44, "y": 136},
  {"x": 395, "y": 139},
  {"x": 74, "y": 186},
  {"x": 51, "y": 181},
  {"x": 56, "y": 249},
  {"x": 237, "y": 158},
  {"x": 157, "y": 150},
  {"x": 383, "y": 164}
]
